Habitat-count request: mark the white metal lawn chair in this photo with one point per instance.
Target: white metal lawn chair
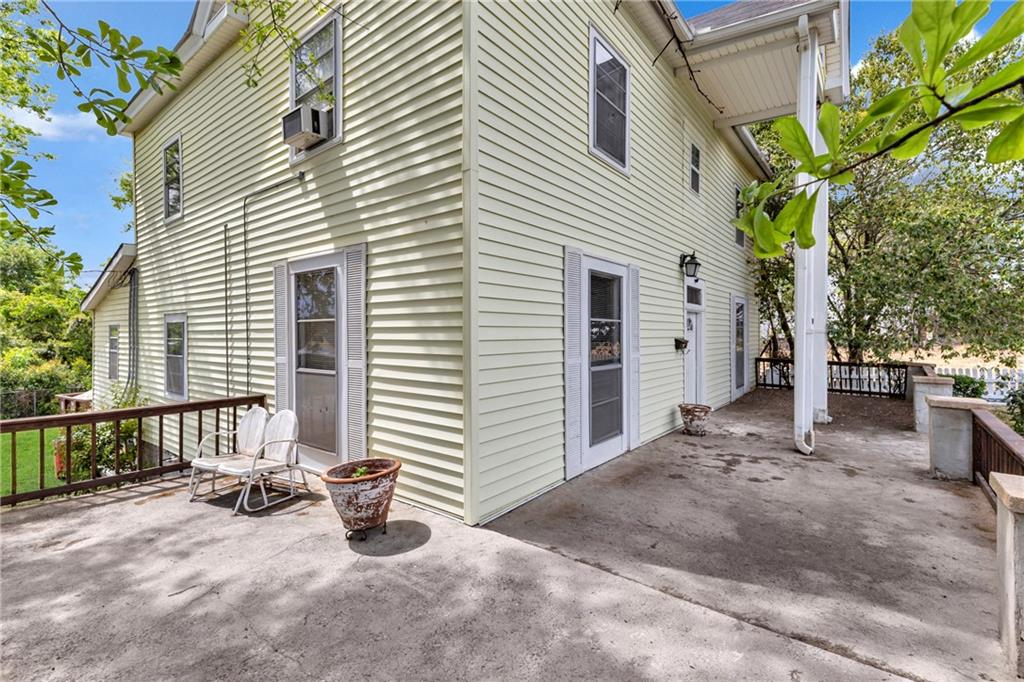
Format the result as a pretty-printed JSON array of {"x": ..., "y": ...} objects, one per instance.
[
  {"x": 277, "y": 456},
  {"x": 249, "y": 437}
]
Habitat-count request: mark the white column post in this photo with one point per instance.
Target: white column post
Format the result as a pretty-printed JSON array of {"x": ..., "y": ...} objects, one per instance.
[{"x": 803, "y": 284}]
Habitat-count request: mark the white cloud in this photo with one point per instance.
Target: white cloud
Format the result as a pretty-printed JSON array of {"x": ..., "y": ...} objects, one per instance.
[
  {"x": 60, "y": 127},
  {"x": 855, "y": 69}
]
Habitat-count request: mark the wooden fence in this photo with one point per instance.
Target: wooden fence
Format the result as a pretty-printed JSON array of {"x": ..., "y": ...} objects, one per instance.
[
  {"x": 108, "y": 447},
  {"x": 999, "y": 381}
]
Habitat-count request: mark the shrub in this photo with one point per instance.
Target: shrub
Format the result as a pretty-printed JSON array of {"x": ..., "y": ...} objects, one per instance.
[
  {"x": 81, "y": 441},
  {"x": 30, "y": 384},
  {"x": 968, "y": 387},
  {"x": 1015, "y": 409}
]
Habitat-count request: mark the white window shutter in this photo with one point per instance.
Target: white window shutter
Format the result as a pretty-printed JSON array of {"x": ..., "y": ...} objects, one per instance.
[
  {"x": 355, "y": 352},
  {"x": 573, "y": 363},
  {"x": 282, "y": 399},
  {"x": 634, "y": 357}
]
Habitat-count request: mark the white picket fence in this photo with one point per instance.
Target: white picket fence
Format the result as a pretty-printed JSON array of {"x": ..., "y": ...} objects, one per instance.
[{"x": 998, "y": 380}]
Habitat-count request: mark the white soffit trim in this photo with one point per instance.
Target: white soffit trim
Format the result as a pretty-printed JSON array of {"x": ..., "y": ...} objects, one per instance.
[
  {"x": 204, "y": 40},
  {"x": 119, "y": 264}
]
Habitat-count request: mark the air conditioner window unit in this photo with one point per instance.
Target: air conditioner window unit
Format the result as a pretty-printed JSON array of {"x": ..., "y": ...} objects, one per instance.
[{"x": 304, "y": 126}]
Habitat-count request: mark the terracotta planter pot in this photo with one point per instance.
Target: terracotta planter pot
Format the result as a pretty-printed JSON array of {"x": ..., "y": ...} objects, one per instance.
[
  {"x": 695, "y": 418},
  {"x": 362, "y": 502}
]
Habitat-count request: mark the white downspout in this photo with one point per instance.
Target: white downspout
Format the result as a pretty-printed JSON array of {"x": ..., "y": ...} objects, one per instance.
[
  {"x": 803, "y": 353},
  {"x": 819, "y": 306}
]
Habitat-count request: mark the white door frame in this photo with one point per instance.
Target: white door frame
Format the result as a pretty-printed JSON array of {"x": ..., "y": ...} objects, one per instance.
[
  {"x": 699, "y": 363},
  {"x": 734, "y": 391},
  {"x": 337, "y": 261},
  {"x": 595, "y": 455}
]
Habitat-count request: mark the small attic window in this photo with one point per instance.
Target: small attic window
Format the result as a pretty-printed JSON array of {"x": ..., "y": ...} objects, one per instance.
[{"x": 316, "y": 69}]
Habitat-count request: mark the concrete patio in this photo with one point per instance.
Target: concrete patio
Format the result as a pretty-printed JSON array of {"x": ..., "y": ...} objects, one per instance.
[{"x": 723, "y": 557}]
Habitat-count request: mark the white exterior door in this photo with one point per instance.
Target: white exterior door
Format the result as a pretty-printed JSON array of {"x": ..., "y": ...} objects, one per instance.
[
  {"x": 693, "y": 363},
  {"x": 316, "y": 309},
  {"x": 604, "y": 349}
]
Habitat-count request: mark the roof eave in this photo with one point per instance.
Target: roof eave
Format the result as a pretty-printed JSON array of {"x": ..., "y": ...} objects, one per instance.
[
  {"x": 198, "y": 41},
  {"x": 119, "y": 263}
]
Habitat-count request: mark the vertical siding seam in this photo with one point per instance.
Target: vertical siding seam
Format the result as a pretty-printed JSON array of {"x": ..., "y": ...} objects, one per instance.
[{"x": 470, "y": 246}]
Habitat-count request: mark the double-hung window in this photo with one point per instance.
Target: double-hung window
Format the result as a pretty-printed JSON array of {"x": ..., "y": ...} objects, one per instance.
[
  {"x": 176, "y": 356},
  {"x": 609, "y": 103},
  {"x": 695, "y": 168},
  {"x": 113, "y": 351},
  {"x": 740, "y": 236},
  {"x": 173, "y": 201},
  {"x": 316, "y": 76}
]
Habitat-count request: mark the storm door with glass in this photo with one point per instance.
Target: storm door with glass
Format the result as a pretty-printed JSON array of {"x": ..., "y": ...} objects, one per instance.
[
  {"x": 604, "y": 380},
  {"x": 316, "y": 357}
]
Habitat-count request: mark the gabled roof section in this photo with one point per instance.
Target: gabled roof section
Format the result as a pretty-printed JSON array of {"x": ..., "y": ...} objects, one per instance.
[
  {"x": 214, "y": 26},
  {"x": 120, "y": 263}
]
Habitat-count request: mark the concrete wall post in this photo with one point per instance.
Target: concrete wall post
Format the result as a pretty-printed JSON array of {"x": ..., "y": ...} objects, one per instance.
[
  {"x": 950, "y": 425},
  {"x": 1009, "y": 492},
  {"x": 923, "y": 386}
]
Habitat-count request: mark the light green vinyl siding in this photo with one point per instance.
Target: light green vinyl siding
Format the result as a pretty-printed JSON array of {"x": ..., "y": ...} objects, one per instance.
[
  {"x": 540, "y": 189},
  {"x": 113, "y": 309},
  {"x": 393, "y": 183}
]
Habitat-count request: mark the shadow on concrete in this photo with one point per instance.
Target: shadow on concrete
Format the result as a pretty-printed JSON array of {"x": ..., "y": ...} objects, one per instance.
[{"x": 854, "y": 549}]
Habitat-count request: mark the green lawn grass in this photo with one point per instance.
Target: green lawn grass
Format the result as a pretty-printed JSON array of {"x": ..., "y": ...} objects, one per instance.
[{"x": 27, "y": 461}]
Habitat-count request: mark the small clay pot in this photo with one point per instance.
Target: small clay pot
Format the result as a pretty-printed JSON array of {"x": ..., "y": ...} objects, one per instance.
[
  {"x": 695, "y": 418},
  {"x": 362, "y": 502}
]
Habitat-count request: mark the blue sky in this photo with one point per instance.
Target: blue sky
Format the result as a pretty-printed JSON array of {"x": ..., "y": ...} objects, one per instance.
[{"x": 88, "y": 161}]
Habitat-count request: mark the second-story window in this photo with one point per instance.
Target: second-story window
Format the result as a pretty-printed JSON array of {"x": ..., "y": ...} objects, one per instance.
[
  {"x": 740, "y": 236},
  {"x": 315, "y": 75},
  {"x": 172, "y": 179},
  {"x": 695, "y": 168},
  {"x": 609, "y": 103}
]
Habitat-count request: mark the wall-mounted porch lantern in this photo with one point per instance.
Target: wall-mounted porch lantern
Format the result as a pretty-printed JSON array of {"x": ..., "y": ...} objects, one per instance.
[{"x": 689, "y": 264}]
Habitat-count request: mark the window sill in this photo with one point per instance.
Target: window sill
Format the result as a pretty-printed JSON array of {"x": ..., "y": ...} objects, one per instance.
[
  {"x": 598, "y": 154},
  {"x": 174, "y": 219},
  {"x": 295, "y": 159}
]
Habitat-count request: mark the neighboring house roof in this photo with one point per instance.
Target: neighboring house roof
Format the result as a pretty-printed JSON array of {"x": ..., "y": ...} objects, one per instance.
[
  {"x": 119, "y": 264},
  {"x": 738, "y": 12},
  {"x": 214, "y": 26}
]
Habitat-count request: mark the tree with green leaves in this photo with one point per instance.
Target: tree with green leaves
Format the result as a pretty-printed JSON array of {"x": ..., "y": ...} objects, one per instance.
[
  {"x": 899, "y": 123},
  {"x": 922, "y": 256}
]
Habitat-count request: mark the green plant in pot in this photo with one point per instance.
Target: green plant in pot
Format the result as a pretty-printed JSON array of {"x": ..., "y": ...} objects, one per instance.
[{"x": 361, "y": 491}]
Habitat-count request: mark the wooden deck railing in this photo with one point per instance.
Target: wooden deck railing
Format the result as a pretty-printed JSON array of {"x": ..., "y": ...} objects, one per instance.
[
  {"x": 995, "y": 447},
  {"x": 108, "y": 447},
  {"x": 882, "y": 380}
]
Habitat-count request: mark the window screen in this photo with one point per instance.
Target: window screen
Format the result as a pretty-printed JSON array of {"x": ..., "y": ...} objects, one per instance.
[
  {"x": 740, "y": 236},
  {"x": 314, "y": 69},
  {"x": 113, "y": 351},
  {"x": 175, "y": 353},
  {"x": 739, "y": 344},
  {"x": 609, "y": 102},
  {"x": 172, "y": 179},
  {"x": 694, "y": 168},
  {"x": 694, "y": 295}
]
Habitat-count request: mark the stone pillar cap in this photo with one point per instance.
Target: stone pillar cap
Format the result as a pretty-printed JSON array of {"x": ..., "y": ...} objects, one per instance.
[
  {"x": 956, "y": 403},
  {"x": 1009, "y": 489},
  {"x": 926, "y": 379}
]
